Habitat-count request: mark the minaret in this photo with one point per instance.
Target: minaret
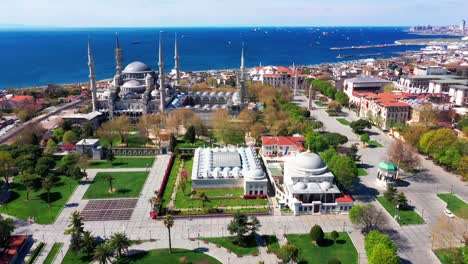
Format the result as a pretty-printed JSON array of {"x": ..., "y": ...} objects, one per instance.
[
  {"x": 162, "y": 88},
  {"x": 92, "y": 76},
  {"x": 242, "y": 77},
  {"x": 118, "y": 55},
  {"x": 295, "y": 79},
  {"x": 176, "y": 60}
]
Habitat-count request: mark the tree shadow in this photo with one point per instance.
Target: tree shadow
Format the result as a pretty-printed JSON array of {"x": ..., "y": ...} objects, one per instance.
[
  {"x": 303, "y": 262},
  {"x": 325, "y": 243},
  {"x": 395, "y": 236},
  {"x": 54, "y": 196},
  {"x": 361, "y": 192},
  {"x": 201, "y": 249},
  {"x": 123, "y": 191},
  {"x": 421, "y": 177},
  {"x": 403, "y": 183},
  {"x": 365, "y": 166},
  {"x": 13, "y": 196},
  {"x": 340, "y": 241},
  {"x": 371, "y": 133},
  {"x": 120, "y": 163}
]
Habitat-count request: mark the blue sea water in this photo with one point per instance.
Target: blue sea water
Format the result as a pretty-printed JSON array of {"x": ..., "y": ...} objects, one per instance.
[{"x": 41, "y": 57}]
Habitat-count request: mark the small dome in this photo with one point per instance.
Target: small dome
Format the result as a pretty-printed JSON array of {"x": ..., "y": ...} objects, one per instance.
[
  {"x": 137, "y": 67},
  {"x": 256, "y": 174},
  {"x": 132, "y": 84},
  {"x": 388, "y": 166},
  {"x": 299, "y": 186},
  {"x": 308, "y": 161},
  {"x": 325, "y": 186}
]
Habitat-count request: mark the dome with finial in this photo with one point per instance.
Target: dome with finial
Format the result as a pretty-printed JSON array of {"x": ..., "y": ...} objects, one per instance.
[{"x": 137, "y": 67}]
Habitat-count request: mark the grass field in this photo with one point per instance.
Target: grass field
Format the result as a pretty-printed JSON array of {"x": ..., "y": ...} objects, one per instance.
[
  {"x": 343, "y": 121},
  {"x": 37, "y": 205},
  {"x": 122, "y": 162},
  {"x": 271, "y": 243},
  {"x": 222, "y": 192},
  {"x": 407, "y": 217},
  {"x": 162, "y": 256},
  {"x": 227, "y": 242},
  {"x": 134, "y": 141},
  {"x": 53, "y": 252},
  {"x": 125, "y": 185},
  {"x": 76, "y": 258},
  {"x": 343, "y": 249},
  {"x": 455, "y": 204},
  {"x": 451, "y": 255},
  {"x": 374, "y": 144}
]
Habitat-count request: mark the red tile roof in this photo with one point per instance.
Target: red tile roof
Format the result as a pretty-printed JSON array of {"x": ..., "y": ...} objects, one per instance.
[
  {"x": 284, "y": 141},
  {"x": 15, "y": 244},
  {"x": 344, "y": 198},
  {"x": 21, "y": 98}
]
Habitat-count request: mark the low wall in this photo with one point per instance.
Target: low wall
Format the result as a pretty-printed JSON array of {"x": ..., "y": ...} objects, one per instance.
[{"x": 136, "y": 151}]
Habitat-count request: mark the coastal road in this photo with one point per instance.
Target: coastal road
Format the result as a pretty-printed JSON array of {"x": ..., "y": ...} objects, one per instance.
[
  {"x": 9, "y": 136},
  {"x": 414, "y": 241}
]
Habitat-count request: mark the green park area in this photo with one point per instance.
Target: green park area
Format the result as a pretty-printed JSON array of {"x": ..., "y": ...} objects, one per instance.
[
  {"x": 52, "y": 253},
  {"x": 161, "y": 256},
  {"x": 343, "y": 121},
  {"x": 248, "y": 248},
  {"x": 343, "y": 249},
  {"x": 272, "y": 243},
  {"x": 124, "y": 185},
  {"x": 132, "y": 141},
  {"x": 455, "y": 204},
  {"x": 195, "y": 205},
  {"x": 407, "y": 216},
  {"x": 452, "y": 255},
  {"x": 37, "y": 205},
  {"x": 122, "y": 162}
]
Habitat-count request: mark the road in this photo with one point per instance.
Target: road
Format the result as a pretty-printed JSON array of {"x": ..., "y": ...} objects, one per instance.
[{"x": 414, "y": 241}]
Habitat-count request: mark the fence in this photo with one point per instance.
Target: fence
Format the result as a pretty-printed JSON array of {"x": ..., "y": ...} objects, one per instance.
[{"x": 136, "y": 151}]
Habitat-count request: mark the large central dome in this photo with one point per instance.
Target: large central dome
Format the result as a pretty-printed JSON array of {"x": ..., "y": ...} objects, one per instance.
[
  {"x": 308, "y": 162},
  {"x": 137, "y": 67}
]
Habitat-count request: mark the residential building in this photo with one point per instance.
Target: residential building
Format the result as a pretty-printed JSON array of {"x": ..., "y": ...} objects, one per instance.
[
  {"x": 278, "y": 76},
  {"x": 429, "y": 70},
  {"x": 280, "y": 147},
  {"x": 363, "y": 84}
]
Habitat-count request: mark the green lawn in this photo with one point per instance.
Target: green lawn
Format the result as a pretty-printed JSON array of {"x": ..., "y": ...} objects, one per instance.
[
  {"x": 122, "y": 162},
  {"x": 451, "y": 255},
  {"x": 134, "y": 141},
  {"x": 55, "y": 249},
  {"x": 361, "y": 171},
  {"x": 407, "y": 217},
  {"x": 374, "y": 144},
  {"x": 162, "y": 256},
  {"x": 196, "y": 144},
  {"x": 227, "y": 242},
  {"x": 271, "y": 242},
  {"x": 455, "y": 204},
  {"x": 343, "y": 121},
  {"x": 76, "y": 258},
  {"x": 37, "y": 205},
  {"x": 125, "y": 185},
  {"x": 343, "y": 249},
  {"x": 183, "y": 199},
  {"x": 223, "y": 192}
]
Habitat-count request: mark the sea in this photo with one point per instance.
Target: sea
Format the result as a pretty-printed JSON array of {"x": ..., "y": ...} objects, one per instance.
[{"x": 38, "y": 57}]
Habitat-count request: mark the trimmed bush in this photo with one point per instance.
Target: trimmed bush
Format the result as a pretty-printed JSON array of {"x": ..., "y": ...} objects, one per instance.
[{"x": 316, "y": 234}]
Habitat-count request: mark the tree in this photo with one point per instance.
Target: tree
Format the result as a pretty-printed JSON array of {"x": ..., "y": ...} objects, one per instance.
[
  {"x": 401, "y": 201},
  {"x": 183, "y": 185},
  {"x": 334, "y": 139},
  {"x": 352, "y": 153},
  {"x": 58, "y": 134},
  {"x": 403, "y": 155},
  {"x": 88, "y": 243},
  {"x": 389, "y": 88},
  {"x": 383, "y": 255},
  {"x": 44, "y": 165},
  {"x": 110, "y": 179},
  {"x": 107, "y": 133},
  {"x": 7, "y": 226},
  {"x": 344, "y": 169},
  {"x": 288, "y": 253},
  {"x": 374, "y": 237},
  {"x": 462, "y": 167},
  {"x": 120, "y": 243},
  {"x": 168, "y": 223},
  {"x": 122, "y": 125},
  {"x": 190, "y": 135},
  {"x": 334, "y": 235},
  {"x": 390, "y": 193},
  {"x": 333, "y": 108},
  {"x": 359, "y": 125},
  {"x": 316, "y": 234},
  {"x": 47, "y": 184},
  {"x": 6, "y": 164},
  {"x": 26, "y": 163},
  {"x": 103, "y": 253},
  {"x": 451, "y": 156},
  {"x": 172, "y": 142},
  {"x": 342, "y": 98},
  {"x": 365, "y": 138},
  {"x": 51, "y": 147},
  {"x": 76, "y": 173},
  {"x": 367, "y": 217},
  {"x": 88, "y": 129},
  {"x": 428, "y": 116},
  {"x": 69, "y": 137},
  {"x": 435, "y": 142},
  {"x": 413, "y": 134},
  {"x": 242, "y": 226},
  {"x": 203, "y": 199},
  {"x": 75, "y": 229},
  {"x": 29, "y": 181}
]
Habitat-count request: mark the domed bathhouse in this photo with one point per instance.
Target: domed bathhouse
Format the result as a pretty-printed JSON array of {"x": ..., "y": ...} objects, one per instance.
[
  {"x": 304, "y": 183},
  {"x": 387, "y": 173},
  {"x": 231, "y": 167}
]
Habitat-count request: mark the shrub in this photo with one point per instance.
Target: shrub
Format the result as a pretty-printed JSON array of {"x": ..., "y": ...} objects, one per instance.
[
  {"x": 375, "y": 238},
  {"x": 334, "y": 235},
  {"x": 316, "y": 234}
]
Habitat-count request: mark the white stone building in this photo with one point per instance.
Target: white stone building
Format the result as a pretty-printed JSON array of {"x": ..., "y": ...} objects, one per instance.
[{"x": 229, "y": 168}]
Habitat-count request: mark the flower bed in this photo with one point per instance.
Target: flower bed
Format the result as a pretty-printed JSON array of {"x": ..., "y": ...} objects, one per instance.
[{"x": 166, "y": 176}]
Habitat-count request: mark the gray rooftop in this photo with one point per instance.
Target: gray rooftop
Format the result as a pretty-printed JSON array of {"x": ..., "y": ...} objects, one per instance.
[
  {"x": 362, "y": 79},
  {"x": 226, "y": 159},
  {"x": 88, "y": 141},
  {"x": 459, "y": 87}
]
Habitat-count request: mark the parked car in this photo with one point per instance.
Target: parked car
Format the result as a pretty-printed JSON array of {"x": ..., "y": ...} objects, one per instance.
[{"x": 449, "y": 213}]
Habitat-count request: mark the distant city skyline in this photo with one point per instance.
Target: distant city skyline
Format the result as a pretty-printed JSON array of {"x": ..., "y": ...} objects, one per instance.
[{"x": 224, "y": 13}]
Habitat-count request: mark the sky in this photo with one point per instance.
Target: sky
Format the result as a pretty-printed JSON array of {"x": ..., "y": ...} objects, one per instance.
[{"x": 209, "y": 13}]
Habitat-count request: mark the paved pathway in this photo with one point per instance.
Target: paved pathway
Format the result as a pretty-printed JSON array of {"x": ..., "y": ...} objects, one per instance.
[{"x": 414, "y": 241}]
